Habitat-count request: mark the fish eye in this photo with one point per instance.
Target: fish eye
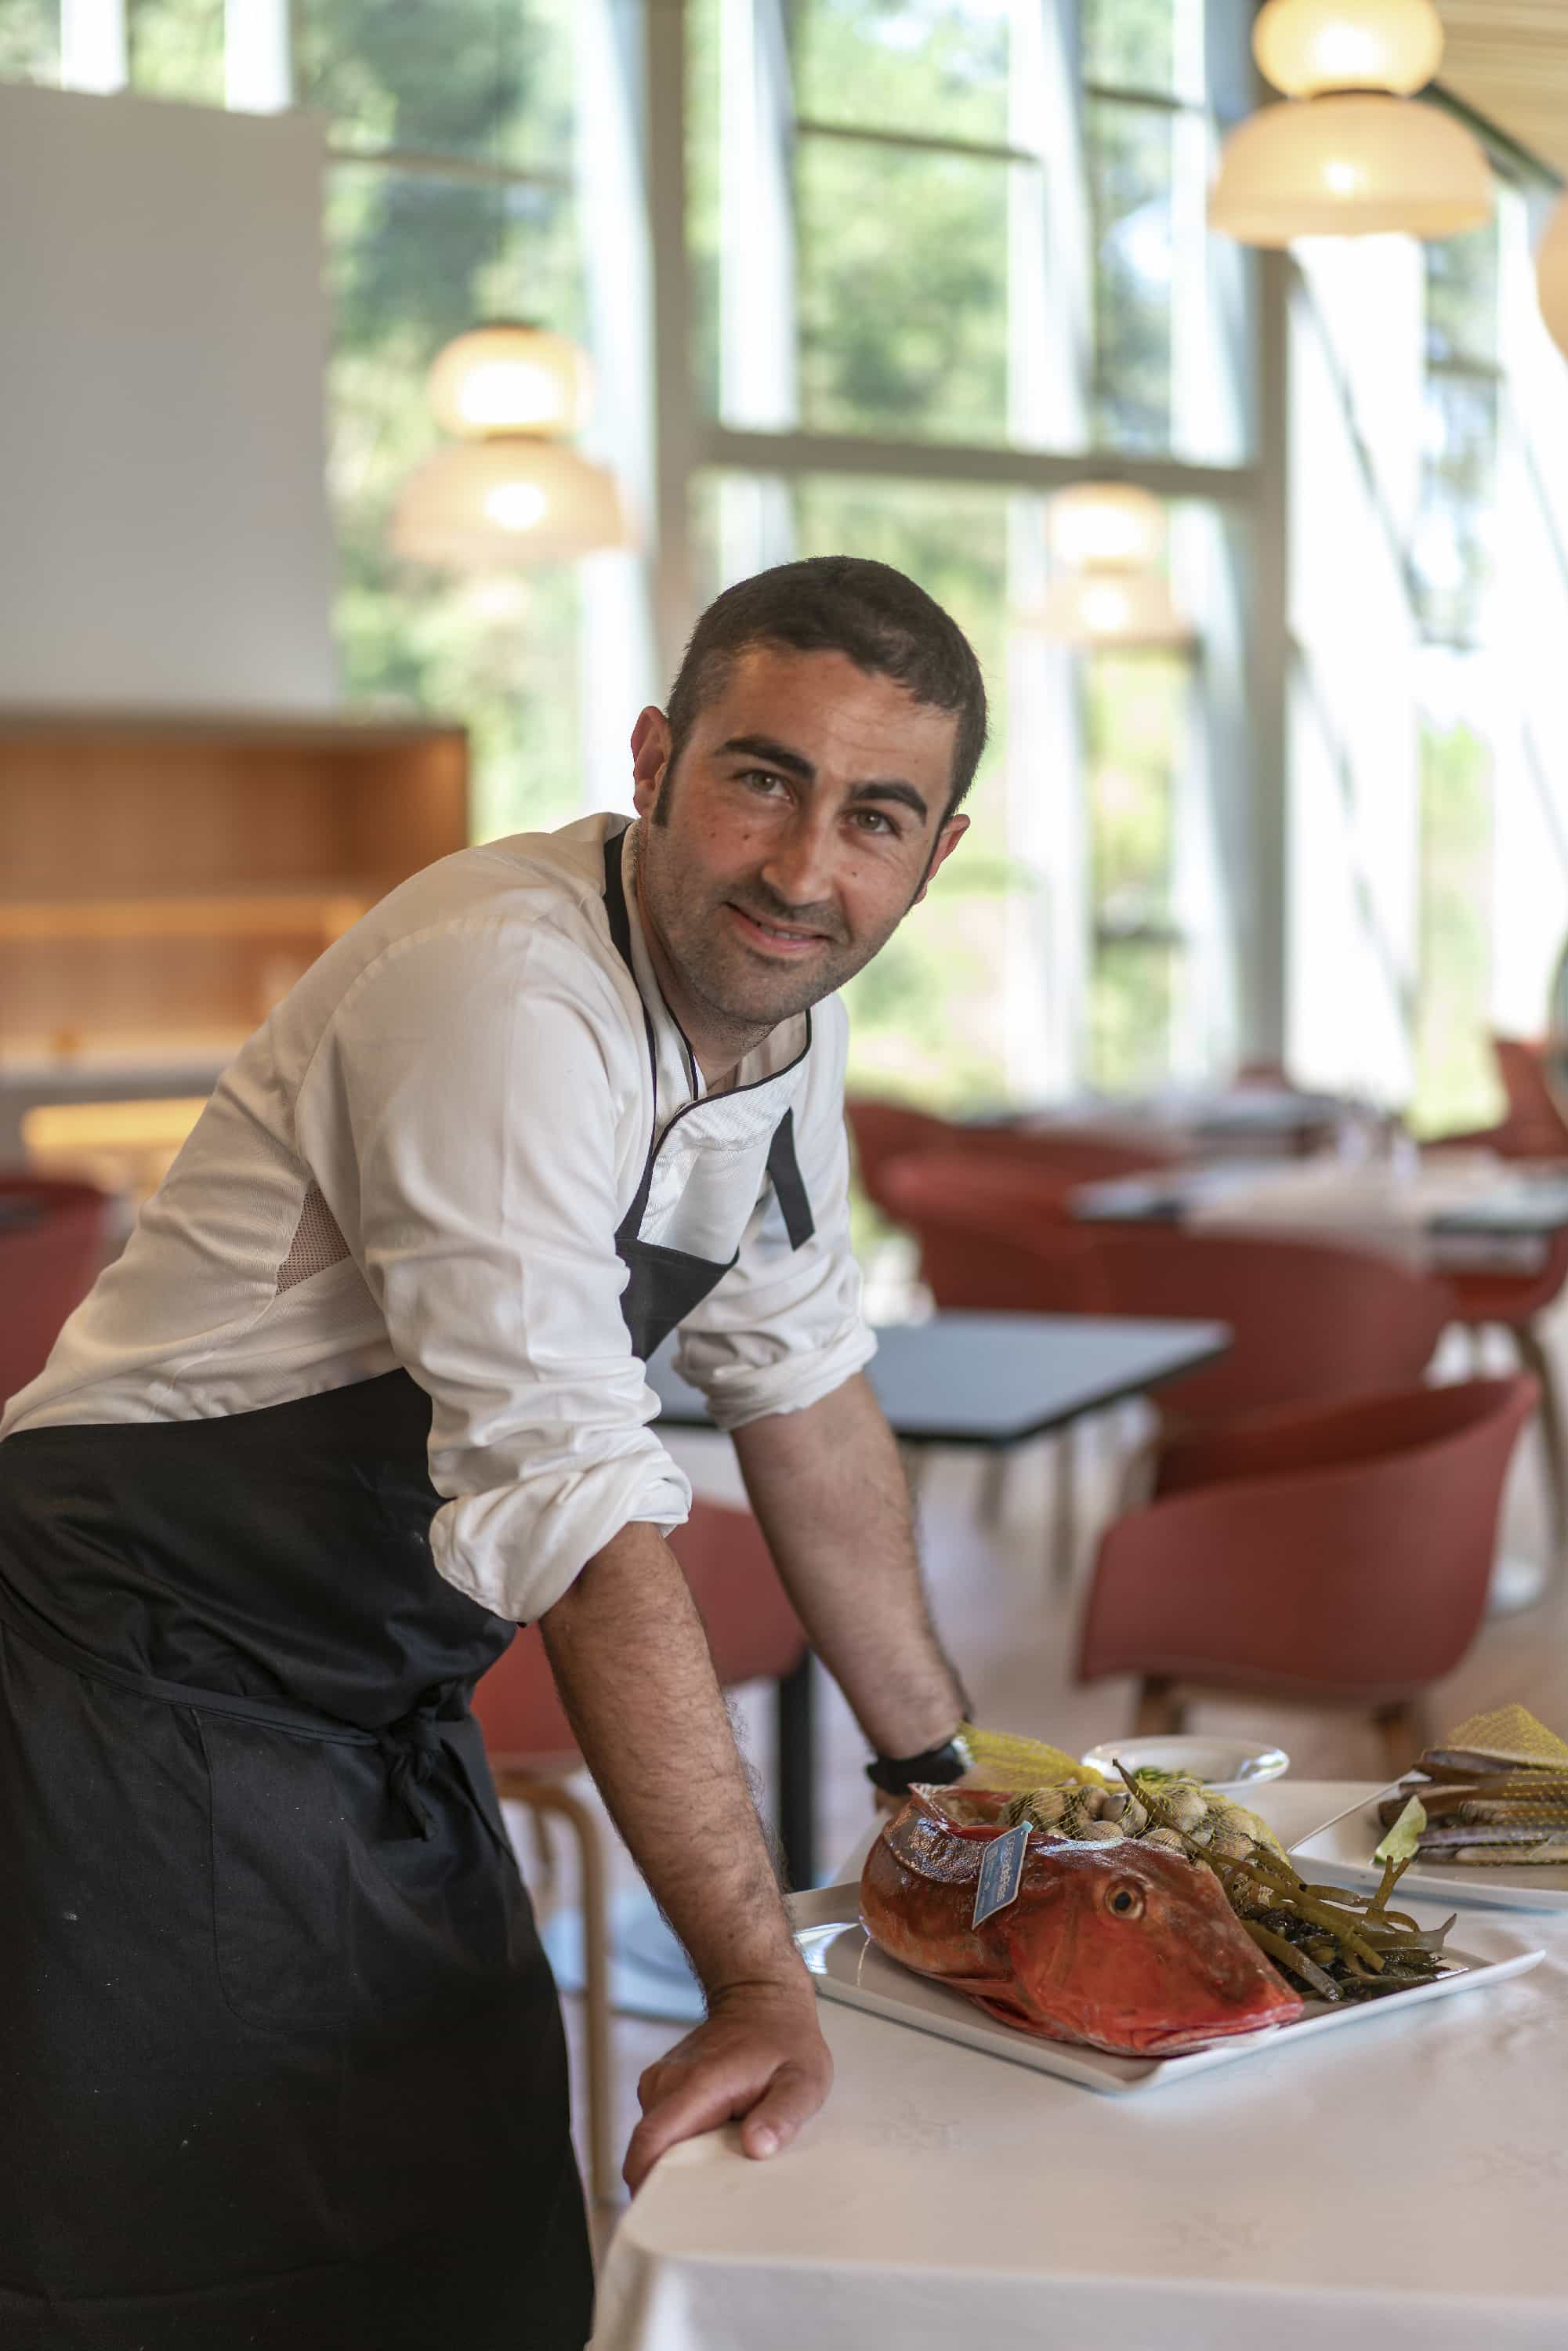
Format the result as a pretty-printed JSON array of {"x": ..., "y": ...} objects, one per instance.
[{"x": 1125, "y": 1900}]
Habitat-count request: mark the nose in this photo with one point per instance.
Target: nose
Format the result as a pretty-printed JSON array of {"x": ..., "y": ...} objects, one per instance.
[{"x": 799, "y": 865}]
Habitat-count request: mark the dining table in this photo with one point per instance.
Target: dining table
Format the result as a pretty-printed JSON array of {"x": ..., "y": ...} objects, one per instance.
[
  {"x": 1450, "y": 1208},
  {"x": 1396, "y": 2186}
]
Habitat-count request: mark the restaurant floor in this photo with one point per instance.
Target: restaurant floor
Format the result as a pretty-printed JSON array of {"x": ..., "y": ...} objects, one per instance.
[{"x": 1011, "y": 1632}]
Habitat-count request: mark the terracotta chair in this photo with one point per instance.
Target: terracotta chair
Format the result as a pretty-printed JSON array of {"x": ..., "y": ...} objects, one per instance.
[
  {"x": 882, "y": 1132},
  {"x": 1341, "y": 1557},
  {"x": 1513, "y": 1303},
  {"x": 994, "y": 1234},
  {"x": 1533, "y": 1126},
  {"x": 1070, "y": 1155},
  {"x": 48, "y": 1259},
  {"x": 1309, "y": 1320},
  {"x": 755, "y": 1635}
]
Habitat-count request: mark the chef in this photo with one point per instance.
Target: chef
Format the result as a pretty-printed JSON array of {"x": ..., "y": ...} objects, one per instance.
[{"x": 281, "y": 2063}]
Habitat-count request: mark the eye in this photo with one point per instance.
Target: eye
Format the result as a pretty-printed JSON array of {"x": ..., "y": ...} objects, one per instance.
[
  {"x": 874, "y": 821},
  {"x": 762, "y": 780},
  {"x": 1125, "y": 1900}
]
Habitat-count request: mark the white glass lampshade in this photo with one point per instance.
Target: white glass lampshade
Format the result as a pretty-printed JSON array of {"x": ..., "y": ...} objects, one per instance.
[
  {"x": 1108, "y": 608},
  {"x": 508, "y": 500},
  {"x": 1552, "y": 277},
  {"x": 1306, "y": 46},
  {"x": 1349, "y": 166},
  {"x": 510, "y": 379},
  {"x": 1107, "y": 523}
]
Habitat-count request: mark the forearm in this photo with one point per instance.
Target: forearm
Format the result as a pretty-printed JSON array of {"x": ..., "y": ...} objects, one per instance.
[
  {"x": 829, "y": 1489},
  {"x": 631, "y": 1660}
]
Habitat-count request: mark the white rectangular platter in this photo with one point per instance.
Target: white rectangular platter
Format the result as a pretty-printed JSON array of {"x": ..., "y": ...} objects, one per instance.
[
  {"x": 845, "y": 1965},
  {"x": 1342, "y": 1849}
]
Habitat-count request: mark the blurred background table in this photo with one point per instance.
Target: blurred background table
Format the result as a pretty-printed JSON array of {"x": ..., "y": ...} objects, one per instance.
[{"x": 996, "y": 1379}]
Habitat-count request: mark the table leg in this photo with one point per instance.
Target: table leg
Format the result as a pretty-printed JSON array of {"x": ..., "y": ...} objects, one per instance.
[{"x": 795, "y": 1758}]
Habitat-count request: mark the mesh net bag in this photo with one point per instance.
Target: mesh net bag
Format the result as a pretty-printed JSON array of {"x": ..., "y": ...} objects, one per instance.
[
  {"x": 1511, "y": 1734},
  {"x": 1002, "y": 1759}
]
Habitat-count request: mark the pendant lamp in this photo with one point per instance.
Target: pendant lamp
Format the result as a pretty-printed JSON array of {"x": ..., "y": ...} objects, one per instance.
[
  {"x": 1552, "y": 277},
  {"x": 1350, "y": 152},
  {"x": 508, "y": 488},
  {"x": 1109, "y": 586}
]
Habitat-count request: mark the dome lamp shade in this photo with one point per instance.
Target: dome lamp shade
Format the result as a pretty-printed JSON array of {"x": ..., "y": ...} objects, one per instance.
[
  {"x": 1307, "y": 46},
  {"x": 1350, "y": 152},
  {"x": 1349, "y": 166},
  {"x": 1107, "y": 544},
  {"x": 508, "y": 488},
  {"x": 508, "y": 500},
  {"x": 510, "y": 379}
]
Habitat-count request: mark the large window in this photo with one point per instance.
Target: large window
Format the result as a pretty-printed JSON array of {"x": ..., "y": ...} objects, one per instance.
[{"x": 967, "y": 237}]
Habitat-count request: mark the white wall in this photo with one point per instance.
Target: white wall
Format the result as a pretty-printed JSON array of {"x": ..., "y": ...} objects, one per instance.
[{"x": 164, "y": 539}]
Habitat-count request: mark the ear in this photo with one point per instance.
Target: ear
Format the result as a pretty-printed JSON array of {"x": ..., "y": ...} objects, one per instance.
[
  {"x": 947, "y": 840},
  {"x": 650, "y": 757}
]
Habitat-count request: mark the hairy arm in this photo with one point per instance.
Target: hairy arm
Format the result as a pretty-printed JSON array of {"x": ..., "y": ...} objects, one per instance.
[
  {"x": 829, "y": 1489},
  {"x": 631, "y": 1660}
]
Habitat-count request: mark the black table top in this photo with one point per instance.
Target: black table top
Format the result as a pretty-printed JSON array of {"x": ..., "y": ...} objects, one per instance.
[
  {"x": 1520, "y": 1206},
  {"x": 996, "y": 1379}
]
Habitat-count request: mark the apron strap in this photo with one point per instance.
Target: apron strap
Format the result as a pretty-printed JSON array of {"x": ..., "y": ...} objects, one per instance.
[
  {"x": 409, "y": 1746},
  {"x": 788, "y": 1190}
]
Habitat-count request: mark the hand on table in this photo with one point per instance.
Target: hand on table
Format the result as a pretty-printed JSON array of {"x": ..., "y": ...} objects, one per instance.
[{"x": 758, "y": 2055}]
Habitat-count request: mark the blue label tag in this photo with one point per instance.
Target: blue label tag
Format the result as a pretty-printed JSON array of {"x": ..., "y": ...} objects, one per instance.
[{"x": 1002, "y": 1872}]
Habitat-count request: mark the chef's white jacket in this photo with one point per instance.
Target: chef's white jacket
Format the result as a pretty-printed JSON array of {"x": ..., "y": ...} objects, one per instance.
[{"x": 422, "y": 1159}]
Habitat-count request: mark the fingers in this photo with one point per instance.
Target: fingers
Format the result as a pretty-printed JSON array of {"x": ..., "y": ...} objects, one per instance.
[
  {"x": 685, "y": 2105},
  {"x": 691, "y": 2091},
  {"x": 792, "y": 2097}
]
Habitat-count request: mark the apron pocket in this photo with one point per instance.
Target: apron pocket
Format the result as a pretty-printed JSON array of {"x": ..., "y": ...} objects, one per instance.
[{"x": 285, "y": 1922}]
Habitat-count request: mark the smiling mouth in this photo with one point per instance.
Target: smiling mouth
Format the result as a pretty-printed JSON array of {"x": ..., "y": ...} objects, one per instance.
[{"x": 777, "y": 935}]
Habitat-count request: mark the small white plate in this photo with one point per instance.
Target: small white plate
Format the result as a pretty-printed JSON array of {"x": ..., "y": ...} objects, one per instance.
[
  {"x": 1345, "y": 1845},
  {"x": 846, "y": 1965},
  {"x": 1230, "y": 1764}
]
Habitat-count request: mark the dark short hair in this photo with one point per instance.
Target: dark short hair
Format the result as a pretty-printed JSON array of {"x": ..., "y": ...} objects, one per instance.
[{"x": 846, "y": 604}]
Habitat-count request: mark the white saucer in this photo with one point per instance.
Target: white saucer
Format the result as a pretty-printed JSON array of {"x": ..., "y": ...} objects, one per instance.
[{"x": 1234, "y": 1764}]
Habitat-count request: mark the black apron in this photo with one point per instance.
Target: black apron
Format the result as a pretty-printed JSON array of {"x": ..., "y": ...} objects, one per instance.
[{"x": 281, "y": 2062}]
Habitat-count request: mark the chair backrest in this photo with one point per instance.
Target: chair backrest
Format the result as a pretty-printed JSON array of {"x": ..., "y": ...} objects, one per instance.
[
  {"x": 1072, "y": 1154},
  {"x": 993, "y": 1236},
  {"x": 753, "y": 1631},
  {"x": 1361, "y": 1575},
  {"x": 1307, "y": 1320},
  {"x": 48, "y": 1265},
  {"x": 884, "y": 1131},
  {"x": 1534, "y": 1126}
]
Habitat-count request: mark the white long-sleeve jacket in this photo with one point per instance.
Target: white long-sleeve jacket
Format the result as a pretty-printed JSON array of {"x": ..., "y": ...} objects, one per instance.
[{"x": 422, "y": 1159}]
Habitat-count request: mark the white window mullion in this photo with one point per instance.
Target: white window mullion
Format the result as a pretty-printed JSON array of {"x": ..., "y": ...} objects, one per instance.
[
  {"x": 258, "y": 75},
  {"x": 94, "y": 51},
  {"x": 758, "y": 365},
  {"x": 616, "y": 616}
]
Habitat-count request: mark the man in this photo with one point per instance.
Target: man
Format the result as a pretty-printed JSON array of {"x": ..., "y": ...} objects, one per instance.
[{"x": 282, "y": 2064}]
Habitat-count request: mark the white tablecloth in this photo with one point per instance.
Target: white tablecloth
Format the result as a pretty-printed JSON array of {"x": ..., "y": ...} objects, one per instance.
[{"x": 1400, "y": 2186}]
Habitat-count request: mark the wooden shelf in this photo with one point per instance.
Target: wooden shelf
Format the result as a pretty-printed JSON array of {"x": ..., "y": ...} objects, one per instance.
[
  {"x": 170, "y": 872},
  {"x": 262, "y": 915}
]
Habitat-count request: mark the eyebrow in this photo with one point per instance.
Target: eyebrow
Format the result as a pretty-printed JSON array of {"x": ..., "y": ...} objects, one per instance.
[{"x": 795, "y": 763}]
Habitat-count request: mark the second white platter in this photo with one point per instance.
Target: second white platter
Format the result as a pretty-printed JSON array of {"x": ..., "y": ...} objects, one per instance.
[
  {"x": 1342, "y": 1848},
  {"x": 845, "y": 1965}
]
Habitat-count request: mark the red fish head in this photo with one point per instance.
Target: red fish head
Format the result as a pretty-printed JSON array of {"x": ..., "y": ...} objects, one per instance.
[{"x": 1135, "y": 1950}]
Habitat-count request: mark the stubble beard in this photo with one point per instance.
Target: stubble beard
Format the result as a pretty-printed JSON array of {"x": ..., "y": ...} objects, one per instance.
[{"x": 733, "y": 986}]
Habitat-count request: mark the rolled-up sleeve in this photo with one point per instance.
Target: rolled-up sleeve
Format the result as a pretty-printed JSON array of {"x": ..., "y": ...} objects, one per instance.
[
  {"x": 461, "y": 1121},
  {"x": 784, "y": 1328}
]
